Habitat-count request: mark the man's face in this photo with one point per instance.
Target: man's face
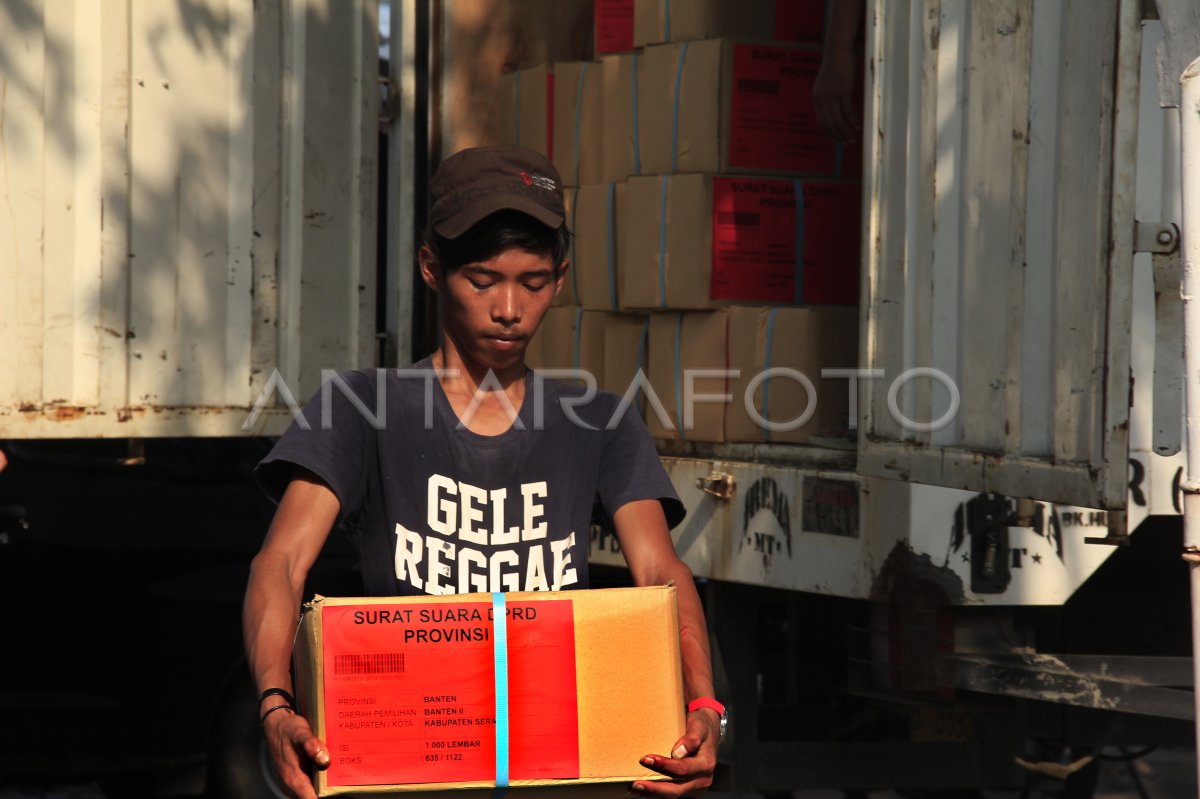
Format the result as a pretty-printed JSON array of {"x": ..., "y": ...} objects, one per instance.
[{"x": 492, "y": 308}]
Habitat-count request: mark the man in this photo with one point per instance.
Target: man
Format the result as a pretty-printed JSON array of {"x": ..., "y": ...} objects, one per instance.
[{"x": 470, "y": 475}]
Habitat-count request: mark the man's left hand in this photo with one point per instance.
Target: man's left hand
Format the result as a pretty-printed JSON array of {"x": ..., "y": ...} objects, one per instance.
[{"x": 693, "y": 758}]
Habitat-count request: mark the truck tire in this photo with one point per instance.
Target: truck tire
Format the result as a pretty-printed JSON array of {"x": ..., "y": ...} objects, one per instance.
[{"x": 239, "y": 766}]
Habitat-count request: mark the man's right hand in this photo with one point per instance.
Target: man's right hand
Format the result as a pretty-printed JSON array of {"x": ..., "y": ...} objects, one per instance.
[{"x": 294, "y": 748}]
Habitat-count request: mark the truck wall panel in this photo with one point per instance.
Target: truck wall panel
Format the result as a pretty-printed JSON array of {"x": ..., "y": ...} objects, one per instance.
[{"x": 169, "y": 171}]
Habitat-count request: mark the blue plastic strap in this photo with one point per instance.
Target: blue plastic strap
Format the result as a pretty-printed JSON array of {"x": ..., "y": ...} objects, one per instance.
[
  {"x": 766, "y": 386},
  {"x": 578, "y": 336},
  {"x": 612, "y": 246},
  {"x": 675, "y": 107},
  {"x": 579, "y": 115},
  {"x": 666, "y": 20},
  {"x": 679, "y": 375},
  {"x": 574, "y": 266},
  {"x": 637, "y": 146},
  {"x": 662, "y": 241},
  {"x": 798, "y": 188},
  {"x": 517, "y": 107},
  {"x": 500, "y": 633}
]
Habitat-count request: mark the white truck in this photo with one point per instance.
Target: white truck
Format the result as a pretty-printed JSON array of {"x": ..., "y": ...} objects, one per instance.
[{"x": 200, "y": 217}]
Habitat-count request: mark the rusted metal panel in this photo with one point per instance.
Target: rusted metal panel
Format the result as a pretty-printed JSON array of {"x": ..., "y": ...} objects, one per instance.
[
  {"x": 165, "y": 166},
  {"x": 1000, "y": 247}
]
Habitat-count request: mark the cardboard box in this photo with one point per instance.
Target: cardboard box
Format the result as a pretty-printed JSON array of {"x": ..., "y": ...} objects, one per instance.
[
  {"x": 658, "y": 21},
  {"x": 626, "y": 350},
  {"x": 525, "y": 109},
  {"x": 680, "y": 343},
  {"x": 699, "y": 241},
  {"x": 569, "y": 338},
  {"x": 595, "y": 272},
  {"x": 620, "y": 141},
  {"x": 751, "y": 340},
  {"x": 404, "y": 690},
  {"x": 614, "y": 26},
  {"x": 578, "y": 119},
  {"x": 733, "y": 106},
  {"x": 804, "y": 341}
]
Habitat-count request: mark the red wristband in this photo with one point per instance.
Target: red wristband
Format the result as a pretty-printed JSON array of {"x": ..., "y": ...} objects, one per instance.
[{"x": 708, "y": 702}]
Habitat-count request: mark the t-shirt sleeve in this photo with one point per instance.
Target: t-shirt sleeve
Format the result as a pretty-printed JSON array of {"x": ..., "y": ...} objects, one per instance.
[
  {"x": 630, "y": 470},
  {"x": 331, "y": 438}
]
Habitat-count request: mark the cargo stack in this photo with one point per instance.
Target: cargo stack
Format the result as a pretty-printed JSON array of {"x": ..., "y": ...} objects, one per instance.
[{"x": 722, "y": 229}]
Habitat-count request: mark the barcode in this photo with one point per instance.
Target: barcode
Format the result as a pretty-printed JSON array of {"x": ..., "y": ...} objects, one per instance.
[
  {"x": 739, "y": 218},
  {"x": 755, "y": 86},
  {"x": 371, "y": 663}
]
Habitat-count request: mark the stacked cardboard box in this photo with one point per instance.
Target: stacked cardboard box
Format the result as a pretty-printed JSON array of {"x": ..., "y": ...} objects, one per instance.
[
  {"x": 718, "y": 228},
  {"x": 751, "y": 374}
]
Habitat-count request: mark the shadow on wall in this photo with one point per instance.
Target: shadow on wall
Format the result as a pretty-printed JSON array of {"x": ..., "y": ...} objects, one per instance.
[
  {"x": 183, "y": 180},
  {"x": 502, "y": 36}
]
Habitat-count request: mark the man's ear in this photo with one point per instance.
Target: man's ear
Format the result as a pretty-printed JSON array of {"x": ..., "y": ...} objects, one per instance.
[
  {"x": 560, "y": 276},
  {"x": 431, "y": 270}
]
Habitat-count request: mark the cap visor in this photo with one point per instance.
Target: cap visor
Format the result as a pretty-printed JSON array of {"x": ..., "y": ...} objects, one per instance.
[{"x": 465, "y": 219}]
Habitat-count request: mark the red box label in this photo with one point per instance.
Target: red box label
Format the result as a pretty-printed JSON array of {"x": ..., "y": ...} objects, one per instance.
[
  {"x": 614, "y": 26},
  {"x": 799, "y": 20},
  {"x": 772, "y": 123},
  {"x": 410, "y": 693},
  {"x": 756, "y": 231}
]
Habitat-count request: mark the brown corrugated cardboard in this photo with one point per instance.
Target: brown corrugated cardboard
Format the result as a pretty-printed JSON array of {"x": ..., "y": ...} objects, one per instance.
[
  {"x": 688, "y": 351},
  {"x": 597, "y": 246},
  {"x": 734, "y": 106},
  {"x": 803, "y": 341},
  {"x": 614, "y": 26},
  {"x": 626, "y": 350},
  {"x": 696, "y": 241},
  {"x": 658, "y": 21},
  {"x": 620, "y": 133},
  {"x": 625, "y": 706},
  {"x": 578, "y": 119},
  {"x": 525, "y": 109},
  {"x": 569, "y": 338}
]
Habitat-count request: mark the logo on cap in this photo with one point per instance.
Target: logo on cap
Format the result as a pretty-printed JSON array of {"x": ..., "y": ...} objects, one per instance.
[{"x": 541, "y": 181}]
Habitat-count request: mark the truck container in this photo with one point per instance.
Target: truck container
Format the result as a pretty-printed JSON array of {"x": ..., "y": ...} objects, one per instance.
[{"x": 213, "y": 206}]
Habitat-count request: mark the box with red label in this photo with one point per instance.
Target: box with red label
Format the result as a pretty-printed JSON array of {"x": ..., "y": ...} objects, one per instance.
[
  {"x": 703, "y": 241},
  {"x": 658, "y": 21},
  {"x": 614, "y": 26},
  {"x": 543, "y": 692},
  {"x": 525, "y": 109},
  {"x": 732, "y": 106}
]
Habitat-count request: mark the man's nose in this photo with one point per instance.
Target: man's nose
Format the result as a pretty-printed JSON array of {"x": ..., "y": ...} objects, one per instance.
[{"x": 507, "y": 306}]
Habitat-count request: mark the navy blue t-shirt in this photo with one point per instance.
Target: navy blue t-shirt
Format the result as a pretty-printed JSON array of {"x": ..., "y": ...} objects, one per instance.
[{"x": 438, "y": 509}]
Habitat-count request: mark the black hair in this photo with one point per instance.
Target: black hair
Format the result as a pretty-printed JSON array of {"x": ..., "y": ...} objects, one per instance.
[{"x": 495, "y": 233}]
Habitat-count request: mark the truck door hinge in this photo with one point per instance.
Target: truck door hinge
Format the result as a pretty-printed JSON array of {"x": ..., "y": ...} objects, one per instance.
[
  {"x": 720, "y": 484},
  {"x": 1156, "y": 237}
]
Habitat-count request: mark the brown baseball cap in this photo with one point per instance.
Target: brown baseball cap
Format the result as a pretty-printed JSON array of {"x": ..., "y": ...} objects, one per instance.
[{"x": 479, "y": 181}]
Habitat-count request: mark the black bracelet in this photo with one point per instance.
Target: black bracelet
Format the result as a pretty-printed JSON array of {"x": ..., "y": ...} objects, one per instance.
[
  {"x": 263, "y": 720},
  {"x": 287, "y": 697}
]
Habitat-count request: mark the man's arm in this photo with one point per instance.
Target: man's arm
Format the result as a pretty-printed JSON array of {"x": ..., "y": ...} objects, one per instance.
[
  {"x": 833, "y": 89},
  {"x": 646, "y": 542},
  {"x": 302, "y": 522}
]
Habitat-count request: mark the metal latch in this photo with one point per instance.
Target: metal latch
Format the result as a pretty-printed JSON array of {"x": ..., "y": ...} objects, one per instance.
[
  {"x": 720, "y": 484},
  {"x": 1157, "y": 237}
]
